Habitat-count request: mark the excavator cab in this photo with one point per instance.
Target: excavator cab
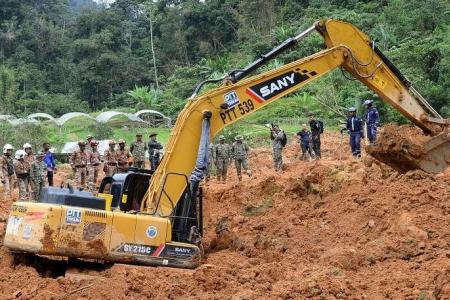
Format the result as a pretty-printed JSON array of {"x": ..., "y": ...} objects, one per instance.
[
  {"x": 125, "y": 191},
  {"x": 109, "y": 226}
]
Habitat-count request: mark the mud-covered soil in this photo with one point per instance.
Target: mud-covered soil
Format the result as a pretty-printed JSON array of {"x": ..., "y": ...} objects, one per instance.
[
  {"x": 338, "y": 228},
  {"x": 400, "y": 147}
]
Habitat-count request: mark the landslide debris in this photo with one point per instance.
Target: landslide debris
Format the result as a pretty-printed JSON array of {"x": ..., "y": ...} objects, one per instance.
[
  {"x": 400, "y": 147},
  {"x": 328, "y": 229}
]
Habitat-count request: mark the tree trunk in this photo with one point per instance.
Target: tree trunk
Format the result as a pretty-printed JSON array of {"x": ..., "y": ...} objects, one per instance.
[{"x": 152, "y": 48}]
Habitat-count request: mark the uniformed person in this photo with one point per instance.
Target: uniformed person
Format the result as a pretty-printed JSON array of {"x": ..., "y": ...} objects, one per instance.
[
  {"x": 93, "y": 166},
  {"x": 316, "y": 130},
  {"x": 123, "y": 157},
  {"x": 304, "y": 137},
  {"x": 222, "y": 159},
  {"x": 7, "y": 171},
  {"x": 79, "y": 162},
  {"x": 29, "y": 158},
  {"x": 110, "y": 164},
  {"x": 372, "y": 120},
  {"x": 154, "y": 148},
  {"x": 211, "y": 158},
  {"x": 277, "y": 136},
  {"x": 89, "y": 138},
  {"x": 38, "y": 173},
  {"x": 239, "y": 152},
  {"x": 138, "y": 149},
  {"x": 88, "y": 149},
  {"x": 355, "y": 129},
  {"x": 29, "y": 155},
  {"x": 22, "y": 174}
]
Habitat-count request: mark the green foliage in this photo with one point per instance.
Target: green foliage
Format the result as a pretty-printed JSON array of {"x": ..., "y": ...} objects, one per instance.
[
  {"x": 58, "y": 55},
  {"x": 145, "y": 95},
  {"x": 27, "y": 133},
  {"x": 7, "y": 88}
]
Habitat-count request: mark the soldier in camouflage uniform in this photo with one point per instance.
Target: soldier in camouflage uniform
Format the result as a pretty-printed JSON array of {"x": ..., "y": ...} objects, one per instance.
[
  {"x": 138, "y": 149},
  {"x": 239, "y": 152},
  {"x": 20, "y": 168},
  {"x": 109, "y": 157},
  {"x": 123, "y": 158},
  {"x": 29, "y": 158},
  {"x": 277, "y": 135},
  {"x": 222, "y": 159},
  {"x": 38, "y": 174},
  {"x": 210, "y": 162},
  {"x": 7, "y": 171},
  {"x": 79, "y": 162},
  {"x": 93, "y": 166},
  {"x": 88, "y": 149},
  {"x": 89, "y": 139}
]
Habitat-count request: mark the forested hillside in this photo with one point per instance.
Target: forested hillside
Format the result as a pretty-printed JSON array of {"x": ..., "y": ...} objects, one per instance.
[{"x": 58, "y": 55}]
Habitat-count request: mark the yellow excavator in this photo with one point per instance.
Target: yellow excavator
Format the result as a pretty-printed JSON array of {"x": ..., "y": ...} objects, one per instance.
[{"x": 156, "y": 218}]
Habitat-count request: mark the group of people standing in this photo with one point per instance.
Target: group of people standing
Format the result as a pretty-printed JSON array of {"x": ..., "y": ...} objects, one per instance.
[
  {"x": 310, "y": 139},
  {"x": 29, "y": 170},
  {"x": 222, "y": 154},
  {"x": 355, "y": 127},
  {"x": 33, "y": 171},
  {"x": 86, "y": 161}
]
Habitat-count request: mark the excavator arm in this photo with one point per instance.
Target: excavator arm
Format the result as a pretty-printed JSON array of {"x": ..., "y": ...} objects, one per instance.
[{"x": 238, "y": 97}]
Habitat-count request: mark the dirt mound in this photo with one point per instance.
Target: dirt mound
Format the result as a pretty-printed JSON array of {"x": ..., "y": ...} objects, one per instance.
[
  {"x": 400, "y": 146},
  {"x": 328, "y": 229}
]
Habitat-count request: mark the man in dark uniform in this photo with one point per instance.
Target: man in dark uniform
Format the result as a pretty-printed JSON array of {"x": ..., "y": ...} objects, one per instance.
[
  {"x": 372, "y": 120},
  {"x": 304, "y": 137},
  {"x": 154, "y": 148},
  {"x": 355, "y": 129},
  {"x": 316, "y": 130}
]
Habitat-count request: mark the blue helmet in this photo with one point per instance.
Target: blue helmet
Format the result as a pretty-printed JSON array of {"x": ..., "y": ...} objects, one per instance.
[
  {"x": 352, "y": 109},
  {"x": 368, "y": 102}
]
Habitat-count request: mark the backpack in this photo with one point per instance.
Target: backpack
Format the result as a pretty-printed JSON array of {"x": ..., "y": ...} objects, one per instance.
[
  {"x": 321, "y": 126},
  {"x": 284, "y": 140}
]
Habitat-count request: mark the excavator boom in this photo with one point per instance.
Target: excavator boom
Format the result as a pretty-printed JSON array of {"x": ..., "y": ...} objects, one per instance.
[{"x": 238, "y": 97}]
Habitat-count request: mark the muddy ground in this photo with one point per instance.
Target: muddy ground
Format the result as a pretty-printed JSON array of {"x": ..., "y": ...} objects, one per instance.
[{"x": 337, "y": 228}]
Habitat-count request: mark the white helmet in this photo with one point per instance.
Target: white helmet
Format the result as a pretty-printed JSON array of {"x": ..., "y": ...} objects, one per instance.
[
  {"x": 7, "y": 147},
  {"x": 20, "y": 154},
  {"x": 27, "y": 145}
]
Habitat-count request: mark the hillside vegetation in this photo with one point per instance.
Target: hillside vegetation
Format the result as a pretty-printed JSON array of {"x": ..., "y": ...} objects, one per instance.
[{"x": 58, "y": 56}]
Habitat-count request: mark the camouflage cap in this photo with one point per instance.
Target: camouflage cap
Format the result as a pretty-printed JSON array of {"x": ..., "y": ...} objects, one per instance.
[
  {"x": 221, "y": 138},
  {"x": 238, "y": 138},
  {"x": 139, "y": 134},
  {"x": 89, "y": 137},
  {"x": 352, "y": 109}
]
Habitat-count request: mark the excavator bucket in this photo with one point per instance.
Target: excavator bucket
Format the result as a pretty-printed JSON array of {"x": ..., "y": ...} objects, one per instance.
[
  {"x": 402, "y": 154},
  {"x": 437, "y": 156}
]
